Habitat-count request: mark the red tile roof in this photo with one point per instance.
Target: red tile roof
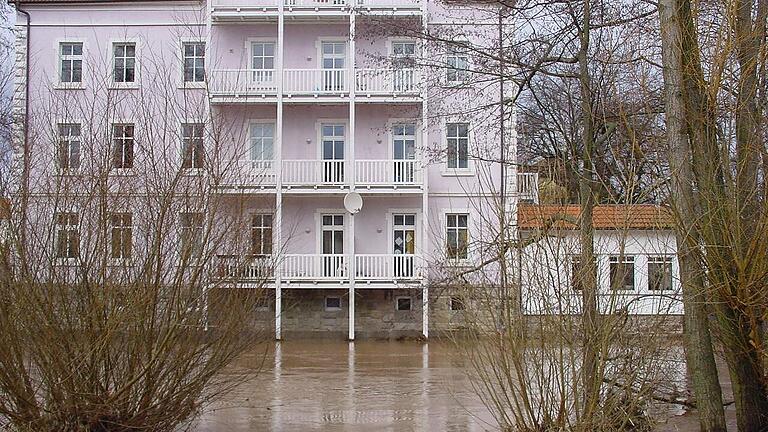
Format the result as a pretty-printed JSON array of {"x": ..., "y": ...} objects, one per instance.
[{"x": 619, "y": 216}]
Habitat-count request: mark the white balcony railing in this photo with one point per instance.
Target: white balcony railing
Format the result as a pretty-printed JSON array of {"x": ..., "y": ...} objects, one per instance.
[
  {"x": 314, "y": 267},
  {"x": 387, "y": 267},
  {"x": 242, "y": 82},
  {"x": 314, "y": 82},
  {"x": 528, "y": 187},
  {"x": 240, "y": 268},
  {"x": 257, "y": 172},
  {"x": 313, "y": 172},
  {"x": 387, "y": 81},
  {"x": 387, "y": 172}
]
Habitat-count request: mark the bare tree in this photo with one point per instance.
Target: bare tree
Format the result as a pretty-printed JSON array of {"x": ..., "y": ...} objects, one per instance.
[{"x": 117, "y": 314}]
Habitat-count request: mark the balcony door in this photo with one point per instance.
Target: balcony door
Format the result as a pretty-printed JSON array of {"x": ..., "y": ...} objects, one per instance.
[
  {"x": 404, "y": 244},
  {"x": 403, "y": 57},
  {"x": 263, "y": 65},
  {"x": 333, "y": 62},
  {"x": 333, "y": 245},
  {"x": 404, "y": 152},
  {"x": 332, "y": 142}
]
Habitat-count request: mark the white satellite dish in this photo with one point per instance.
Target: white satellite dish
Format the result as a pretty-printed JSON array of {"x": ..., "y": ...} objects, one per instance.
[{"x": 353, "y": 202}]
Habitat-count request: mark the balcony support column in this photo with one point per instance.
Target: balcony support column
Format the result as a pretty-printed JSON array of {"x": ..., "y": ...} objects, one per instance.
[
  {"x": 351, "y": 171},
  {"x": 425, "y": 191},
  {"x": 278, "y": 219}
]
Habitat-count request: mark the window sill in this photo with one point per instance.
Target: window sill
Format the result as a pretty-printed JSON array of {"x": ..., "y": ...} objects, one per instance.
[
  {"x": 69, "y": 86},
  {"x": 123, "y": 86},
  {"x": 192, "y": 86},
  {"x": 75, "y": 172},
  {"x": 457, "y": 172},
  {"x": 122, "y": 172},
  {"x": 459, "y": 263}
]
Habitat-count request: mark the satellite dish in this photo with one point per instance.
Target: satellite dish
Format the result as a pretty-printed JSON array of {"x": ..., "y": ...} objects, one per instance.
[{"x": 353, "y": 202}]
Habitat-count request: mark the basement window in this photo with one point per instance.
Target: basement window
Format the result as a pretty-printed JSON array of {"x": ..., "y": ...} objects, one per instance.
[
  {"x": 403, "y": 303},
  {"x": 457, "y": 303},
  {"x": 333, "y": 303}
]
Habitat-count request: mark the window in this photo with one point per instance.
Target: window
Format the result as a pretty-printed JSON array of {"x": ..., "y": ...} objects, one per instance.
[
  {"x": 659, "y": 273},
  {"x": 261, "y": 234},
  {"x": 622, "y": 272},
  {"x": 403, "y": 303},
  {"x": 333, "y": 303},
  {"x": 121, "y": 235},
  {"x": 122, "y": 146},
  {"x": 457, "y": 235},
  {"x": 457, "y": 303},
  {"x": 577, "y": 273},
  {"x": 71, "y": 58},
  {"x": 67, "y": 241},
  {"x": 458, "y": 145},
  {"x": 263, "y": 62},
  {"x": 124, "y": 62},
  {"x": 191, "y": 233},
  {"x": 68, "y": 154},
  {"x": 194, "y": 62},
  {"x": 262, "y": 140},
  {"x": 458, "y": 65},
  {"x": 192, "y": 155}
]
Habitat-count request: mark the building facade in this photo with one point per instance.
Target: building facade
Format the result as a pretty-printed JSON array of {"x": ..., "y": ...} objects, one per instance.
[{"x": 276, "y": 111}]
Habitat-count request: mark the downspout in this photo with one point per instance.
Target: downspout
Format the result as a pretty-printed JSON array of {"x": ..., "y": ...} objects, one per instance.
[{"x": 24, "y": 188}]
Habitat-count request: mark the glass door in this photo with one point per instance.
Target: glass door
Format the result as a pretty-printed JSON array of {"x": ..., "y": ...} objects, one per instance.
[
  {"x": 404, "y": 152},
  {"x": 332, "y": 142},
  {"x": 333, "y": 245},
  {"x": 404, "y": 244},
  {"x": 403, "y": 64},
  {"x": 333, "y": 64},
  {"x": 263, "y": 65}
]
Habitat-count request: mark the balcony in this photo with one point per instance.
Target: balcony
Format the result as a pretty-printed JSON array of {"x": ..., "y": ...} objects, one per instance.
[
  {"x": 315, "y": 269},
  {"x": 371, "y": 175},
  {"x": 528, "y": 187},
  {"x": 225, "y": 11},
  {"x": 257, "y": 174},
  {"x": 311, "y": 85}
]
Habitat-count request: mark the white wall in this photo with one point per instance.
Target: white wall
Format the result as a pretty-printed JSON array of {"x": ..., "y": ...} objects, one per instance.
[{"x": 545, "y": 271}]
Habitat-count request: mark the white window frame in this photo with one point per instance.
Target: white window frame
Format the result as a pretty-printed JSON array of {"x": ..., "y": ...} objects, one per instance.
[
  {"x": 69, "y": 230},
  {"x": 450, "y": 52},
  {"x": 457, "y": 212},
  {"x": 270, "y": 228},
  {"x": 249, "y": 156},
  {"x": 122, "y": 228},
  {"x": 181, "y": 228},
  {"x": 113, "y": 138},
  {"x": 60, "y": 58},
  {"x": 623, "y": 259},
  {"x": 332, "y": 308},
  {"x": 445, "y": 171},
  {"x": 136, "y": 64},
  {"x": 183, "y": 83},
  {"x": 249, "y": 42},
  {"x": 193, "y": 169},
  {"x": 660, "y": 259},
  {"x": 58, "y": 169},
  {"x": 319, "y": 213}
]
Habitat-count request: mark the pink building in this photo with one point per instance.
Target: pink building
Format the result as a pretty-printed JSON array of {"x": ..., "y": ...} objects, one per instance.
[{"x": 298, "y": 103}]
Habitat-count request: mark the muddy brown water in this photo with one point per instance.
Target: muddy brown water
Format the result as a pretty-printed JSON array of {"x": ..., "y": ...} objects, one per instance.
[{"x": 362, "y": 386}]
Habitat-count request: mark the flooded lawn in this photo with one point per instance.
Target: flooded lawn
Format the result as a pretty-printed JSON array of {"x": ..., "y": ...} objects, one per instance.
[{"x": 360, "y": 386}]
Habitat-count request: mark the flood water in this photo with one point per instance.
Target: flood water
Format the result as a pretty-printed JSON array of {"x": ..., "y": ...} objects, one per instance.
[
  {"x": 359, "y": 386},
  {"x": 314, "y": 385}
]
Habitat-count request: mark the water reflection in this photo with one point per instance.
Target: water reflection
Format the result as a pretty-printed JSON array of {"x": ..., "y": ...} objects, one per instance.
[{"x": 352, "y": 386}]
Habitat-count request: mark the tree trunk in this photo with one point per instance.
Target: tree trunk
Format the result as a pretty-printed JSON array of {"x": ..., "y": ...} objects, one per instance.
[
  {"x": 590, "y": 374},
  {"x": 699, "y": 353}
]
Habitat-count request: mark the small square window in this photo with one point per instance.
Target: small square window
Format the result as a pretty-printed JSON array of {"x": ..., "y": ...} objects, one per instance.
[
  {"x": 457, "y": 303},
  {"x": 403, "y": 303},
  {"x": 333, "y": 303}
]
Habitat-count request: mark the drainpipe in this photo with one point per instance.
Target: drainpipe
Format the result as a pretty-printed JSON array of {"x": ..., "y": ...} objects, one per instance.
[{"x": 25, "y": 157}]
